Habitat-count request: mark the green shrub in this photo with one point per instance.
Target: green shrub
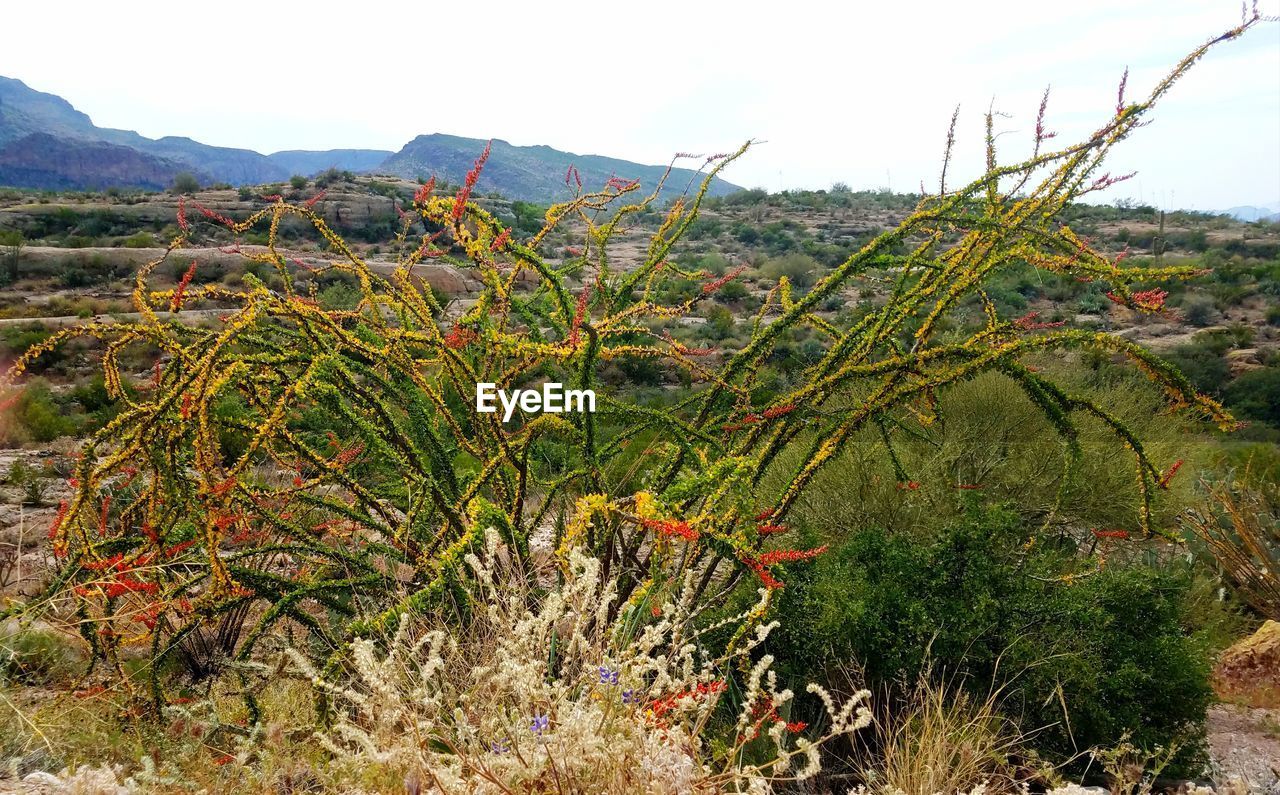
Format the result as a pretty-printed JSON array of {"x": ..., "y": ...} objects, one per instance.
[
  {"x": 800, "y": 269},
  {"x": 36, "y": 657},
  {"x": 185, "y": 182},
  {"x": 1081, "y": 662},
  {"x": 1200, "y": 311},
  {"x": 38, "y": 417},
  {"x": 1256, "y": 395}
]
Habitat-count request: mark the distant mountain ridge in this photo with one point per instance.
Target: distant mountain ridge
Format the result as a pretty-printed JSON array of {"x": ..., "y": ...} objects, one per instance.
[
  {"x": 1250, "y": 214},
  {"x": 46, "y": 143},
  {"x": 25, "y": 111},
  {"x": 530, "y": 173},
  {"x": 310, "y": 163}
]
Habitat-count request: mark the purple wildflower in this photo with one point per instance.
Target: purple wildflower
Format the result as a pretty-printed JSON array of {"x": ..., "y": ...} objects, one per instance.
[
  {"x": 629, "y": 697},
  {"x": 540, "y": 723},
  {"x": 608, "y": 676}
]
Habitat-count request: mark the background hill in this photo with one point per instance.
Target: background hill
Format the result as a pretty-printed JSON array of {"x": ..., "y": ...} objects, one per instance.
[
  {"x": 528, "y": 173},
  {"x": 45, "y": 143},
  {"x": 310, "y": 163},
  {"x": 25, "y": 111}
]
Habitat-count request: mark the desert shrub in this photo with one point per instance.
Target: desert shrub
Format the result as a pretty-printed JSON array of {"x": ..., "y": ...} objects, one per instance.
[
  {"x": 298, "y": 182},
  {"x": 140, "y": 240},
  {"x": 1083, "y": 658},
  {"x": 185, "y": 182},
  {"x": 38, "y": 657},
  {"x": 1256, "y": 395},
  {"x": 991, "y": 441},
  {"x": 36, "y": 416},
  {"x": 570, "y": 698},
  {"x": 1200, "y": 311},
  {"x": 799, "y": 269},
  {"x": 1203, "y": 364}
]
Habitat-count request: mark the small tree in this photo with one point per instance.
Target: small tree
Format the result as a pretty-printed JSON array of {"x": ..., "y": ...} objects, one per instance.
[
  {"x": 298, "y": 182},
  {"x": 185, "y": 182},
  {"x": 13, "y": 242}
]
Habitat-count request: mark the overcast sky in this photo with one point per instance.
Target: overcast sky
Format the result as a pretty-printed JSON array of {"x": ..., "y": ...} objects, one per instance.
[{"x": 837, "y": 91}]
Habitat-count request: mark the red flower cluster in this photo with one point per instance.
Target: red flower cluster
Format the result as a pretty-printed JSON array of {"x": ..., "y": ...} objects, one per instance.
[
  {"x": 1110, "y": 533},
  {"x": 309, "y": 203},
  {"x": 460, "y": 201},
  {"x": 212, "y": 216},
  {"x": 223, "y": 488},
  {"x": 778, "y": 411},
  {"x": 176, "y": 303},
  {"x": 120, "y": 587},
  {"x": 1150, "y": 300},
  {"x": 759, "y": 569},
  {"x": 1168, "y": 476},
  {"x": 619, "y": 184},
  {"x": 572, "y": 173},
  {"x": 753, "y": 418},
  {"x": 791, "y": 555},
  {"x": 345, "y": 457},
  {"x": 672, "y": 527},
  {"x": 459, "y": 337},
  {"x": 579, "y": 314},
  {"x": 910, "y": 485},
  {"x": 182, "y": 214},
  {"x": 1028, "y": 322},
  {"x": 501, "y": 240},
  {"x": 104, "y": 514},
  {"x": 423, "y": 193},
  {"x": 711, "y": 287},
  {"x": 661, "y": 706}
]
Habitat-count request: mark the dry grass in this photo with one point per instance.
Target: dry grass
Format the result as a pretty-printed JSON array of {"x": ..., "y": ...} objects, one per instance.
[{"x": 944, "y": 740}]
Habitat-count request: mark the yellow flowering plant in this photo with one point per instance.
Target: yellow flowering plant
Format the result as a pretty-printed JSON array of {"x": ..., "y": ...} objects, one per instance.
[{"x": 325, "y": 470}]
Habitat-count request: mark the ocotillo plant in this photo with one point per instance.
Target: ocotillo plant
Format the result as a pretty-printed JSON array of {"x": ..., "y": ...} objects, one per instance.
[{"x": 328, "y": 467}]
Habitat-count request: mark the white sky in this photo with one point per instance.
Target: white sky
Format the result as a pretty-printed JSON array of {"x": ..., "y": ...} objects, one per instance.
[{"x": 854, "y": 92}]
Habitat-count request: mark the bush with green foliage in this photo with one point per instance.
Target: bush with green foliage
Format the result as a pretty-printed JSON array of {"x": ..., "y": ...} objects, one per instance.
[
  {"x": 1081, "y": 659},
  {"x": 185, "y": 182},
  {"x": 1255, "y": 395}
]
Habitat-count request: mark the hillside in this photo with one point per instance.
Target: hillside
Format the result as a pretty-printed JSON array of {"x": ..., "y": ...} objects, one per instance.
[
  {"x": 527, "y": 173},
  {"x": 73, "y": 153},
  {"x": 44, "y": 161},
  {"x": 25, "y": 111},
  {"x": 309, "y": 163}
]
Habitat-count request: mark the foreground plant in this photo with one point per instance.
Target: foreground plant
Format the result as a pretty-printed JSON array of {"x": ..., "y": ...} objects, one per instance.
[
  {"x": 324, "y": 469},
  {"x": 558, "y": 697}
]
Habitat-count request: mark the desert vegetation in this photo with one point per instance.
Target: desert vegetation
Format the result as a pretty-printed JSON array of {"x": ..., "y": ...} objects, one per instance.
[{"x": 883, "y": 493}]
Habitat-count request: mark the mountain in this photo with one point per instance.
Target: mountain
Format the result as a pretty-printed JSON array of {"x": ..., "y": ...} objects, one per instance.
[
  {"x": 25, "y": 111},
  {"x": 43, "y": 161},
  {"x": 309, "y": 163},
  {"x": 46, "y": 143},
  {"x": 1249, "y": 213},
  {"x": 529, "y": 173}
]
